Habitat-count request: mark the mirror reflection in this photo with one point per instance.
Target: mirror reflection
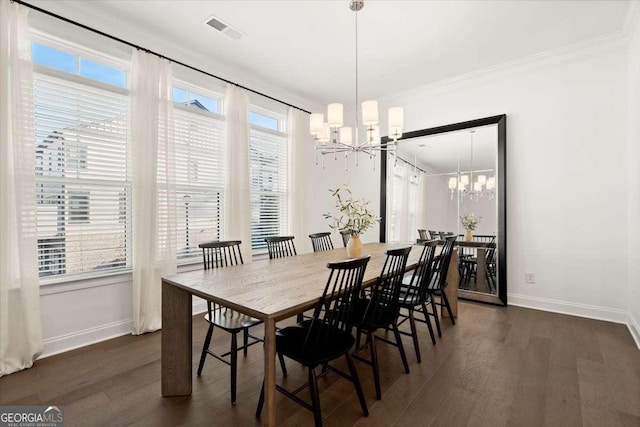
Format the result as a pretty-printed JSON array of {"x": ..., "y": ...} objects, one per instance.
[{"x": 446, "y": 184}]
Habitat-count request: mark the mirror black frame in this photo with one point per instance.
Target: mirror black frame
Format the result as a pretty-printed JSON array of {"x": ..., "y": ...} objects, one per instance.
[{"x": 501, "y": 121}]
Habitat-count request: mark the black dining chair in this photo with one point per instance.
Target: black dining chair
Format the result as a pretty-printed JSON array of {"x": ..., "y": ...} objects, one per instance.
[
  {"x": 321, "y": 241},
  {"x": 434, "y": 234},
  {"x": 326, "y": 337},
  {"x": 439, "y": 283},
  {"x": 217, "y": 255},
  {"x": 422, "y": 234},
  {"x": 346, "y": 235},
  {"x": 280, "y": 246},
  {"x": 414, "y": 295},
  {"x": 379, "y": 309}
]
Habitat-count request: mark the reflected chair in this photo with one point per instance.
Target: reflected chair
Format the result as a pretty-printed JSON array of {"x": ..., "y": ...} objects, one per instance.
[
  {"x": 434, "y": 234},
  {"x": 439, "y": 283},
  {"x": 217, "y": 255},
  {"x": 346, "y": 235},
  {"x": 326, "y": 337},
  {"x": 422, "y": 234},
  {"x": 414, "y": 295},
  {"x": 280, "y": 246},
  {"x": 379, "y": 309},
  {"x": 321, "y": 241}
]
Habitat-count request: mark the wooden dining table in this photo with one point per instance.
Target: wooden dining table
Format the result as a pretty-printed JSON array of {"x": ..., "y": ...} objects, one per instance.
[{"x": 269, "y": 290}]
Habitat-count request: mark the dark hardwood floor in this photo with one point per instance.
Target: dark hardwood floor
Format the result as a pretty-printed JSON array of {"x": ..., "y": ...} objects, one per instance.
[{"x": 498, "y": 366}]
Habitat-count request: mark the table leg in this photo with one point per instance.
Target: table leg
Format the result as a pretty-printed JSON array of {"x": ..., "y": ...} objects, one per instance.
[
  {"x": 269, "y": 419},
  {"x": 481, "y": 271},
  {"x": 176, "y": 341},
  {"x": 452, "y": 286}
]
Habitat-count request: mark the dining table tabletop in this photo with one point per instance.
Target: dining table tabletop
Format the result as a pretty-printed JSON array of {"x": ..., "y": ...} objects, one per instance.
[{"x": 270, "y": 290}]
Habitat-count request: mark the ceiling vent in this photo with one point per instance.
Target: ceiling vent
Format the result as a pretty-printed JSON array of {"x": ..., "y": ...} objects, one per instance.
[{"x": 225, "y": 29}]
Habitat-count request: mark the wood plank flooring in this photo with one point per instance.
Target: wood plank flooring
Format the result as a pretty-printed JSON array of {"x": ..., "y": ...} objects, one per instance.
[{"x": 497, "y": 367}]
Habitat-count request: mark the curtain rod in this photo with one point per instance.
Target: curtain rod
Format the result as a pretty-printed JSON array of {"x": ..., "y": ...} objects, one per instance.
[
  {"x": 135, "y": 46},
  {"x": 409, "y": 163}
]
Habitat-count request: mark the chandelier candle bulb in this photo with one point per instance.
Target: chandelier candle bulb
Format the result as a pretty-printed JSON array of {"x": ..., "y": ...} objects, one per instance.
[
  {"x": 334, "y": 115},
  {"x": 396, "y": 118},
  {"x": 325, "y": 136},
  {"x": 316, "y": 123},
  {"x": 346, "y": 135},
  {"x": 374, "y": 138},
  {"x": 370, "y": 113},
  {"x": 453, "y": 182}
]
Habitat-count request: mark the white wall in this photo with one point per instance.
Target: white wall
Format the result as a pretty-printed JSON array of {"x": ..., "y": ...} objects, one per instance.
[
  {"x": 567, "y": 168},
  {"x": 633, "y": 166}
]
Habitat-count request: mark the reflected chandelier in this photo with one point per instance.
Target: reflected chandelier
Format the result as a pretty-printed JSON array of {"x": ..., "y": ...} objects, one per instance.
[
  {"x": 481, "y": 187},
  {"x": 332, "y": 137}
]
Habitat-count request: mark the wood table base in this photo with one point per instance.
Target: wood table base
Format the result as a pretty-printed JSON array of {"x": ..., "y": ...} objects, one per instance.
[{"x": 176, "y": 341}]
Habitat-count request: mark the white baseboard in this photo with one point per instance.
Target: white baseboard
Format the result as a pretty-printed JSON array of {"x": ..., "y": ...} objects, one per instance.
[
  {"x": 573, "y": 309},
  {"x": 74, "y": 340},
  {"x": 634, "y": 328},
  {"x": 78, "y": 339}
]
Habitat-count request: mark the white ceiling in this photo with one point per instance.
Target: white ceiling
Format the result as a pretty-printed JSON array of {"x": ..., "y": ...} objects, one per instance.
[
  {"x": 308, "y": 47},
  {"x": 451, "y": 152}
]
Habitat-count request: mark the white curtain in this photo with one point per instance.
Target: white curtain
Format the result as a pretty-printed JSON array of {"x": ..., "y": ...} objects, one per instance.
[
  {"x": 298, "y": 123},
  {"x": 153, "y": 184},
  {"x": 20, "y": 324},
  {"x": 421, "y": 214},
  {"x": 402, "y": 192},
  {"x": 237, "y": 208}
]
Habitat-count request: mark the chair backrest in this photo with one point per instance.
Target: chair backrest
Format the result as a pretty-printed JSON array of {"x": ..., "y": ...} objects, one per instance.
[
  {"x": 422, "y": 234},
  {"x": 321, "y": 241},
  {"x": 442, "y": 262},
  {"x": 221, "y": 253},
  {"x": 346, "y": 235},
  {"x": 343, "y": 287},
  {"x": 383, "y": 304},
  {"x": 434, "y": 234},
  {"x": 484, "y": 238},
  {"x": 280, "y": 246},
  {"x": 417, "y": 290}
]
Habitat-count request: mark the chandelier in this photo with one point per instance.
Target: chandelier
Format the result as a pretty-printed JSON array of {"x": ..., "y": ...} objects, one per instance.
[
  {"x": 464, "y": 184},
  {"x": 332, "y": 137}
]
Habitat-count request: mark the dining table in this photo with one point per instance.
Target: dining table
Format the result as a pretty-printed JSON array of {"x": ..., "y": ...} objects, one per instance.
[{"x": 270, "y": 290}]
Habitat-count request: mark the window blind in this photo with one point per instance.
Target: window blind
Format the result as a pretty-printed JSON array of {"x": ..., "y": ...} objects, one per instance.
[
  {"x": 268, "y": 154},
  {"x": 200, "y": 174},
  {"x": 82, "y": 181}
]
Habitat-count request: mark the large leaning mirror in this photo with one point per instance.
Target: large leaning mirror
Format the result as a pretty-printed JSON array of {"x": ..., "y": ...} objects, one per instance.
[{"x": 450, "y": 180}]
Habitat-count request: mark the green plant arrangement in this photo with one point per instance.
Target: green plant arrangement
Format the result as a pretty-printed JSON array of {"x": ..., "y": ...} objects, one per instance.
[
  {"x": 353, "y": 215},
  {"x": 470, "y": 221}
]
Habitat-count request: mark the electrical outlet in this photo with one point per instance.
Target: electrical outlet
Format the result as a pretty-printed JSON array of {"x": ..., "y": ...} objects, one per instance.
[{"x": 530, "y": 277}]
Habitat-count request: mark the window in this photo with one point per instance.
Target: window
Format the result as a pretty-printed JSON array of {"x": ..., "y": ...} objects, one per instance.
[
  {"x": 268, "y": 154},
  {"x": 74, "y": 64},
  {"x": 264, "y": 121},
  {"x": 196, "y": 100},
  {"x": 200, "y": 172},
  {"x": 82, "y": 183}
]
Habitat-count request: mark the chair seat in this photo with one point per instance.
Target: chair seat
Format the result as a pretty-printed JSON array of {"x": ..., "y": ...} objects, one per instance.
[
  {"x": 372, "y": 318},
  {"x": 409, "y": 298},
  {"x": 291, "y": 341},
  {"x": 230, "y": 320}
]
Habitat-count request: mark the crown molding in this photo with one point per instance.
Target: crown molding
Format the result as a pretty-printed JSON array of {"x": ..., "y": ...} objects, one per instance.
[{"x": 573, "y": 52}]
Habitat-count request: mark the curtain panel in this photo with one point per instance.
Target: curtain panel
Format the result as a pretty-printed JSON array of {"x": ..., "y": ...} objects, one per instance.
[
  {"x": 153, "y": 187},
  {"x": 298, "y": 123},
  {"x": 237, "y": 208},
  {"x": 20, "y": 323}
]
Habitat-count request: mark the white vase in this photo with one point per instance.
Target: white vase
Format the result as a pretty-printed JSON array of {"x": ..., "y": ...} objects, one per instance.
[{"x": 354, "y": 247}]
